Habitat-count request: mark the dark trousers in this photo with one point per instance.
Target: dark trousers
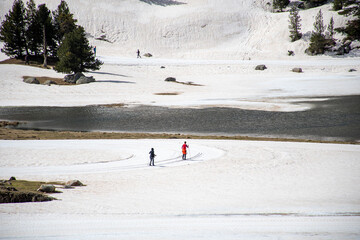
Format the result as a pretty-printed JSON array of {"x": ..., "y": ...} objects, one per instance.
[
  {"x": 151, "y": 161},
  {"x": 184, "y": 156}
]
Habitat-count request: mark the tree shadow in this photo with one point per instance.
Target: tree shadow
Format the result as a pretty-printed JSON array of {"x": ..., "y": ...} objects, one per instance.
[
  {"x": 114, "y": 81},
  {"x": 112, "y": 74},
  {"x": 163, "y": 3}
]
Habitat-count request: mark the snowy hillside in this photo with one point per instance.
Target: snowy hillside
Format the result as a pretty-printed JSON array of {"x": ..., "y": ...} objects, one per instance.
[{"x": 190, "y": 28}]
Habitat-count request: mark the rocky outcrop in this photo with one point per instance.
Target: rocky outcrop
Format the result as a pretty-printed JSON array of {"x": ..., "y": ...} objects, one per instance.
[
  {"x": 147, "y": 55},
  {"x": 47, "y": 188},
  {"x": 74, "y": 183},
  {"x": 84, "y": 80},
  {"x": 31, "y": 80}
]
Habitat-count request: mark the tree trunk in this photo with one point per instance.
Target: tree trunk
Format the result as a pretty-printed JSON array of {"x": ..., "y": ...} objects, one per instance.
[{"x": 45, "y": 47}]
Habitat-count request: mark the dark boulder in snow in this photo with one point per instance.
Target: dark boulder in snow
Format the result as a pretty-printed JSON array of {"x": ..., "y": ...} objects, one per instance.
[
  {"x": 170, "y": 79},
  {"x": 260, "y": 67},
  {"x": 298, "y": 70}
]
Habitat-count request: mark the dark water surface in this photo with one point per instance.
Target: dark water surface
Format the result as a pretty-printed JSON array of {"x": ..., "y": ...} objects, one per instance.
[{"x": 337, "y": 118}]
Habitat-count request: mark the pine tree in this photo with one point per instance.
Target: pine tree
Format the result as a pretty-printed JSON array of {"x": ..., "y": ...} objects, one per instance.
[
  {"x": 295, "y": 26},
  {"x": 280, "y": 4},
  {"x": 64, "y": 21},
  {"x": 352, "y": 28},
  {"x": 75, "y": 54},
  {"x": 338, "y": 5},
  {"x": 12, "y": 31},
  {"x": 330, "y": 29},
  {"x": 318, "y": 41},
  {"x": 47, "y": 29},
  {"x": 33, "y": 31}
]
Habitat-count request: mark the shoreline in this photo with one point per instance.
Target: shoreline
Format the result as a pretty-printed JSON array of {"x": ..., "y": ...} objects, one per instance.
[{"x": 22, "y": 134}]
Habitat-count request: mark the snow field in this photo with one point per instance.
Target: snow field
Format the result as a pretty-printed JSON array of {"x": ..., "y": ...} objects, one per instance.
[{"x": 257, "y": 190}]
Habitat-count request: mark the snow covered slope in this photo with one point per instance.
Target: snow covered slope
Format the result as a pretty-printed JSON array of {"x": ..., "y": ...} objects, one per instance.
[{"x": 192, "y": 28}]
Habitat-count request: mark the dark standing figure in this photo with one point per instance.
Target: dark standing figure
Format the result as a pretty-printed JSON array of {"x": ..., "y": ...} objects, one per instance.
[
  {"x": 95, "y": 51},
  {"x": 27, "y": 60},
  {"x": 183, "y": 148},
  {"x": 138, "y": 53},
  {"x": 152, "y": 156}
]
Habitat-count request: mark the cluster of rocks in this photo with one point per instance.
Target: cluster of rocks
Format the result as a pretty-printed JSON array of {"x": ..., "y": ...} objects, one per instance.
[
  {"x": 78, "y": 78},
  {"x": 262, "y": 67},
  {"x": 9, "y": 194}
]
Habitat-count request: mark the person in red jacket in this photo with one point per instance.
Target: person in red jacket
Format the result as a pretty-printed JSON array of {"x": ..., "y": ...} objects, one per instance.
[{"x": 183, "y": 148}]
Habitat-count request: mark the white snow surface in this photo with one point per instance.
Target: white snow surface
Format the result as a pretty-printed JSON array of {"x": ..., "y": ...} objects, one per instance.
[
  {"x": 224, "y": 190},
  {"x": 215, "y": 44}
]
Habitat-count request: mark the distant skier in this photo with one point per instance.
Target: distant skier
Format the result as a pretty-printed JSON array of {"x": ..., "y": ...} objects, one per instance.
[
  {"x": 152, "y": 157},
  {"x": 95, "y": 51},
  {"x": 138, "y": 53},
  {"x": 183, "y": 148}
]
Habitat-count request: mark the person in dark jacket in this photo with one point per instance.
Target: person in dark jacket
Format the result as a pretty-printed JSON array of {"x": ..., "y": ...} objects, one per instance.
[{"x": 152, "y": 157}]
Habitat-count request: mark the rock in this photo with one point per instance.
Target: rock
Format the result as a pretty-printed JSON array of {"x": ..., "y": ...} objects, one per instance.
[
  {"x": 31, "y": 80},
  {"x": 83, "y": 80},
  {"x": 162, "y": 67},
  {"x": 12, "y": 178},
  {"x": 298, "y": 70},
  {"x": 74, "y": 183},
  {"x": 49, "y": 82},
  {"x": 352, "y": 70},
  {"x": 147, "y": 55},
  {"x": 72, "y": 78},
  {"x": 260, "y": 67},
  {"x": 291, "y": 53},
  {"x": 170, "y": 79},
  {"x": 48, "y": 188},
  {"x": 18, "y": 196}
]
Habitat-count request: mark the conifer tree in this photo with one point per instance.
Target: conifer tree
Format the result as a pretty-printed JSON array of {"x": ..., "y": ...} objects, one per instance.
[
  {"x": 352, "y": 28},
  {"x": 318, "y": 41},
  {"x": 75, "y": 54},
  {"x": 295, "y": 26},
  {"x": 64, "y": 21},
  {"x": 280, "y": 4},
  {"x": 12, "y": 31},
  {"x": 47, "y": 29},
  {"x": 33, "y": 30},
  {"x": 330, "y": 29}
]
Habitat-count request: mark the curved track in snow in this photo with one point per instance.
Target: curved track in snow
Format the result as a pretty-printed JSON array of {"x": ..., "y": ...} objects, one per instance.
[{"x": 134, "y": 156}]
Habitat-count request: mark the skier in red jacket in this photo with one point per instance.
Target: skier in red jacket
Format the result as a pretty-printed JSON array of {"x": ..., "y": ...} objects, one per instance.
[{"x": 184, "y": 146}]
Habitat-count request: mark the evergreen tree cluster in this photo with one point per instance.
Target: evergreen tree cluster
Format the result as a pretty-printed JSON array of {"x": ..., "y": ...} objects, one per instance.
[
  {"x": 322, "y": 38},
  {"x": 36, "y": 31}
]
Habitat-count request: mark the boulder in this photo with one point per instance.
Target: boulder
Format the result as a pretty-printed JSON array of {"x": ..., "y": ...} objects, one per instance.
[
  {"x": 47, "y": 188},
  {"x": 49, "y": 82},
  {"x": 291, "y": 53},
  {"x": 74, "y": 183},
  {"x": 83, "y": 80},
  {"x": 260, "y": 67},
  {"x": 12, "y": 178},
  {"x": 147, "y": 55},
  {"x": 170, "y": 79},
  {"x": 298, "y": 70},
  {"x": 72, "y": 78},
  {"x": 31, "y": 80},
  {"x": 352, "y": 70}
]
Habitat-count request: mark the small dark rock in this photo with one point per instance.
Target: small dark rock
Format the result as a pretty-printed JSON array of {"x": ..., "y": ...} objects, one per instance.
[
  {"x": 74, "y": 183},
  {"x": 49, "y": 82},
  {"x": 147, "y": 55},
  {"x": 170, "y": 79},
  {"x": 352, "y": 70},
  {"x": 12, "y": 178},
  {"x": 298, "y": 70},
  {"x": 260, "y": 67}
]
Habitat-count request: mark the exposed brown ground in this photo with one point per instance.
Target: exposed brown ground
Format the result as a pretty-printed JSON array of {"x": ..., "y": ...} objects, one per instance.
[{"x": 19, "y": 134}]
